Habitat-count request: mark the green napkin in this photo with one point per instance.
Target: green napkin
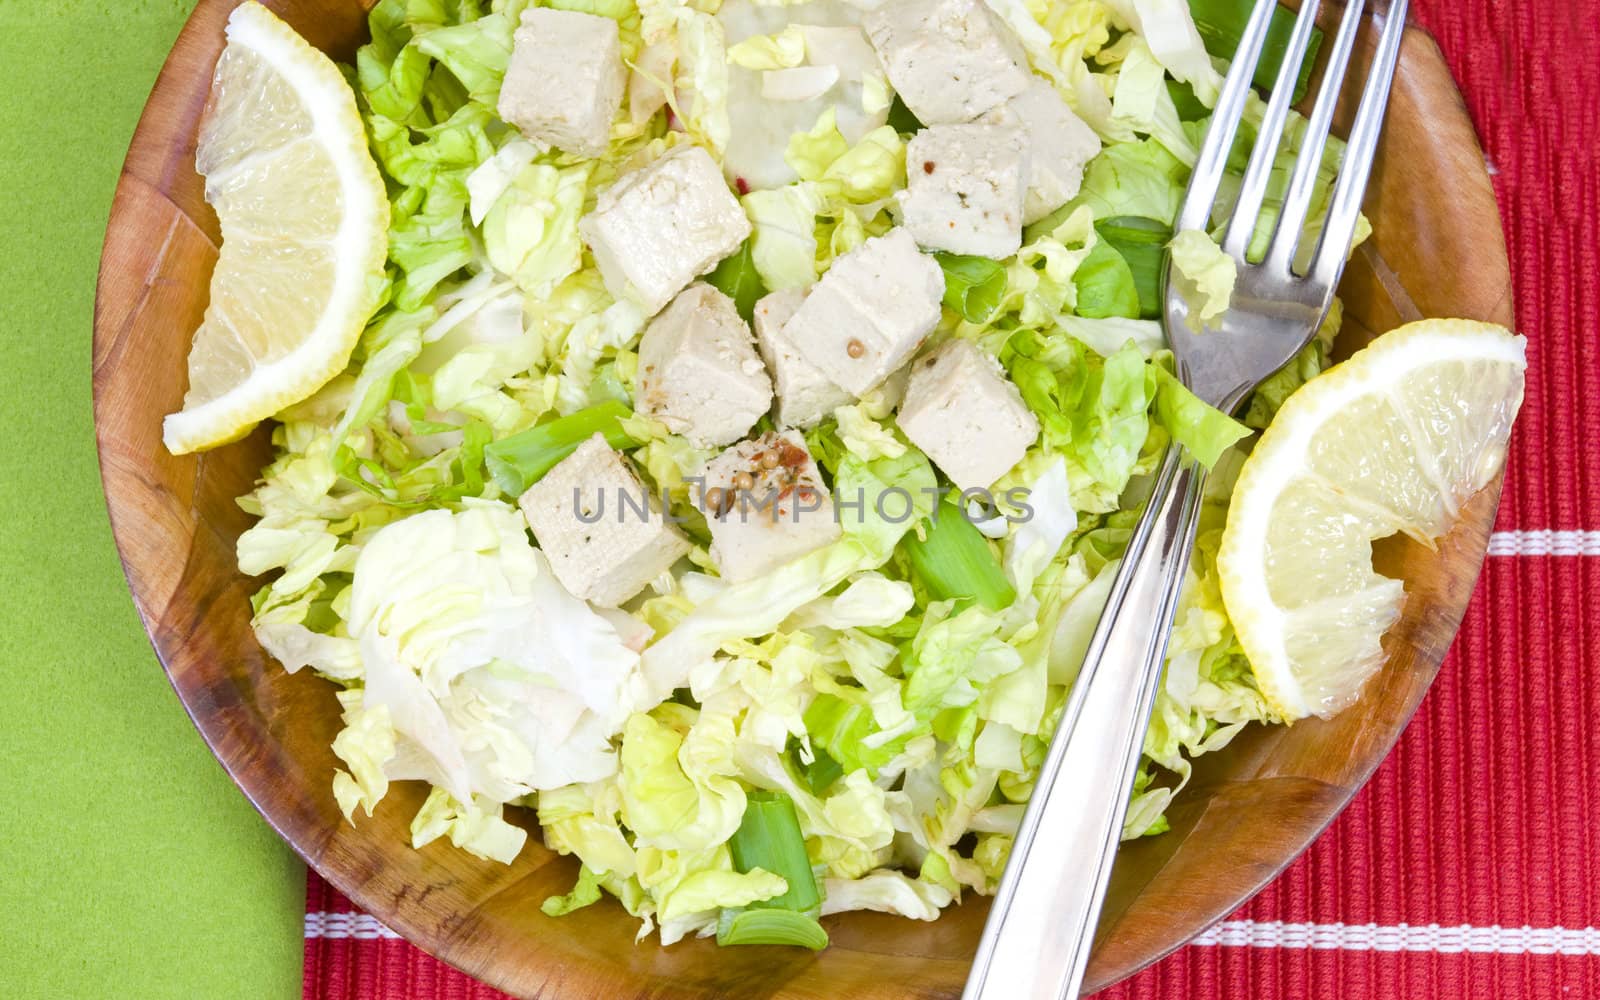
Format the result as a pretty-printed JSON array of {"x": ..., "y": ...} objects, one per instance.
[{"x": 132, "y": 867}]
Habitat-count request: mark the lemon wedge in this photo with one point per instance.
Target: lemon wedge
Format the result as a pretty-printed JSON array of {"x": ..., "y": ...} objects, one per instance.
[
  {"x": 1396, "y": 439},
  {"x": 305, "y": 224}
]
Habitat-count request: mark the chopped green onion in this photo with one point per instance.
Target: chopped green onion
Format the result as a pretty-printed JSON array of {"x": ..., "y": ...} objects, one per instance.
[
  {"x": 973, "y": 286},
  {"x": 737, "y": 278},
  {"x": 955, "y": 561},
  {"x": 1142, "y": 243},
  {"x": 519, "y": 461},
  {"x": 785, "y": 927},
  {"x": 769, "y": 838},
  {"x": 1222, "y": 24},
  {"x": 822, "y": 772}
]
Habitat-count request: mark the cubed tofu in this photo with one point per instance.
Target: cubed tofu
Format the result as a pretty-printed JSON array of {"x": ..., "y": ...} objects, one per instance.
[
  {"x": 949, "y": 60},
  {"x": 869, "y": 313},
  {"x": 657, "y": 228},
  {"x": 766, "y": 505},
  {"x": 964, "y": 188},
  {"x": 698, "y": 369},
  {"x": 963, "y": 412},
  {"x": 805, "y": 394},
  {"x": 1060, "y": 144},
  {"x": 604, "y": 534},
  {"x": 565, "y": 79}
]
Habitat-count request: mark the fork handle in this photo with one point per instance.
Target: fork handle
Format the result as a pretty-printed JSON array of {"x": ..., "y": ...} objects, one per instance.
[{"x": 1036, "y": 943}]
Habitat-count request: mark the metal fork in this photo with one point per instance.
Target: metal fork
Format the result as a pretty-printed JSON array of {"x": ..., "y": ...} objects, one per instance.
[{"x": 1037, "y": 941}]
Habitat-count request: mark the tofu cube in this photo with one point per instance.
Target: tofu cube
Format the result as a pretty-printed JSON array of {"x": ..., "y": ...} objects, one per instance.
[
  {"x": 1060, "y": 145},
  {"x": 949, "y": 60},
  {"x": 805, "y": 394},
  {"x": 869, "y": 313},
  {"x": 766, "y": 505},
  {"x": 565, "y": 79},
  {"x": 698, "y": 369},
  {"x": 965, "y": 186},
  {"x": 965, "y": 415},
  {"x": 657, "y": 228},
  {"x": 604, "y": 534}
]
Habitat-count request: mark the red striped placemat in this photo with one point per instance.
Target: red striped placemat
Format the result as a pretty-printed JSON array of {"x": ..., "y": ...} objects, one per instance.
[{"x": 1470, "y": 866}]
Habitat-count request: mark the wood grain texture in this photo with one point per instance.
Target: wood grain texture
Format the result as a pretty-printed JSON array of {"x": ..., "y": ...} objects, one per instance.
[{"x": 1436, "y": 251}]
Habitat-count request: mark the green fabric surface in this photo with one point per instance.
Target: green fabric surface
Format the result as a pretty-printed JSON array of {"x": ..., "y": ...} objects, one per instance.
[{"x": 133, "y": 867}]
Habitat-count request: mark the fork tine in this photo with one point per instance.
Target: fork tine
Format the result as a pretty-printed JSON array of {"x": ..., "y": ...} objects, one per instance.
[
  {"x": 1253, "y": 189},
  {"x": 1334, "y": 245},
  {"x": 1225, "y": 117},
  {"x": 1297, "y": 200}
]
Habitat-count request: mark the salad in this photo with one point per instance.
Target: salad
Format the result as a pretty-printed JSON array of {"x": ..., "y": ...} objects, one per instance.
[{"x": 757, "y": 402}]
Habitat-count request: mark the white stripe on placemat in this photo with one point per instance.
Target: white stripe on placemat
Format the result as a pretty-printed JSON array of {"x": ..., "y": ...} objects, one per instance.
[
  {"x": 1495, "y": 940},
  {"x": 1545, "y": 543},
  {"x": 360, "y": 926}
]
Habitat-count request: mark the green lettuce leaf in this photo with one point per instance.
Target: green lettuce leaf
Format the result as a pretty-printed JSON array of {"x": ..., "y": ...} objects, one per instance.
[
  {"x": 1200, "y": 427},
  {"x": 678, "y": 790},
  {"x": 477, "y": 51},
  {"x": 531, "y": 232},
  {"x": 1132, "y": 178},
  {"x": 585, "y": 893},
  {"x": 1144, "y": 106},
  {"x": 702, "y": 102},
  {"x": 845, "y": 188},
  {"x": 1142, "y": 244},
  {"x": 477, "y": 827},
  {"x": 871, "y": 170},
  {"x": 714, "y": 889},
  {"x": 1105, "y": 284},
  {"x": 783, "y": 242},
  {"x": 865, "y": 438},
  {"x": 1093, "y": 410},
  {"x": 811, "y": 153},
  {"x": 952, "y": 655},
  {"x": 738, "y": 277},
  {"x": 1205, "y": 276},
  {"x": 585, "y": 820},
  {"x": 973, "y": 286},
  {"x": 687, "y": 890}
]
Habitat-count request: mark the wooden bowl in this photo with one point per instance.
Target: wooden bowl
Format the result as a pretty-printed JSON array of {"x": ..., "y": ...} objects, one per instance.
[{"x": 1436, "y": 251}]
